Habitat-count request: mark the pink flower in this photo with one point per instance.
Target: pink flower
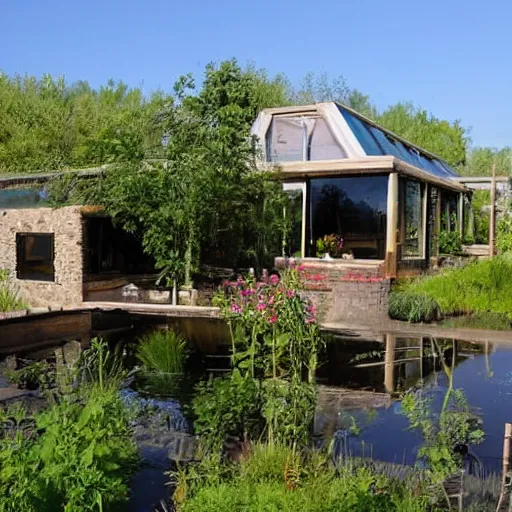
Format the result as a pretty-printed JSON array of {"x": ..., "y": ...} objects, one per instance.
[
  {"x": 272, "y": 319},
  {"x": 301, "y": 268},
  {"x": 247, "y": 292},
  {"x": 271, "y": 300},
  {"x": 310, "y": 320},
  {"x": 235, "y": 308},
  {"x": 290, "y": 294},
  {"x": 274, "y": 279},
  {"x": 311, "y": 309},
  {"x": 261, "y": 306}
]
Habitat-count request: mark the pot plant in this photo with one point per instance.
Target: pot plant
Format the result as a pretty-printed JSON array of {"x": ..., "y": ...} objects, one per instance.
[{"x": 330, "y": 246}]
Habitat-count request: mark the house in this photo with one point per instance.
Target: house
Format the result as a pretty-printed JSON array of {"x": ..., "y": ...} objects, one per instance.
[{"x": 384, "y": 197}]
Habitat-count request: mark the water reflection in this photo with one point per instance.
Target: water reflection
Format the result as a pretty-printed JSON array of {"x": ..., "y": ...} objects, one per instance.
[{"x": 362, "y": 382}]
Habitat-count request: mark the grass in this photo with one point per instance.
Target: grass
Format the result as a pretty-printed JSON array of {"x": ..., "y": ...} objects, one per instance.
[
  {"x": 412, "y": 307},
  {"x": 9, "y": 296},
  {"x": 273, "y": 478},
  {"x": 486, "y": 320},
  {"x": 479, "y": 287},
  {"x": 162, "y": 351}
]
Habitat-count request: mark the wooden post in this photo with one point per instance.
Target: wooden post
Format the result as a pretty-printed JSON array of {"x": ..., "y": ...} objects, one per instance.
[
  {"x": 389, "y": 363},
  {"x": 461, "y": 214},
  {"x": 392, "y": 225},
  {"x": 505, "y": 491},
  {"x": 492, "y": 219},
  {"x": 506, "y": 449}
]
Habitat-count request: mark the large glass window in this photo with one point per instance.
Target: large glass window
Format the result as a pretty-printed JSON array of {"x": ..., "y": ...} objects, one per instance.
[
  {"x": 353, "y": 207},
  {"x": 412, "y": 225},
  {"x": 34, "y": 252},
  {"x": 449, "y": 214},
  {"x": 295, "y": 139}
]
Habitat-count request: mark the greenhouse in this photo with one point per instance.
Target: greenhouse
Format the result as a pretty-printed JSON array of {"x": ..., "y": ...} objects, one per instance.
[{"x": 357, "y": 191}]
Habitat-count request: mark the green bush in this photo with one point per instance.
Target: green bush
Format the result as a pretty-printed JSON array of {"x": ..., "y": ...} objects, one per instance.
[
  {"x": 412, "y": 307},
  {"x": 450, "y": 242}
]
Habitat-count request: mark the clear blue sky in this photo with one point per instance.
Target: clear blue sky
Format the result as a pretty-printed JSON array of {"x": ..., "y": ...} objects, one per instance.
[{"x": 450, "y": 56}]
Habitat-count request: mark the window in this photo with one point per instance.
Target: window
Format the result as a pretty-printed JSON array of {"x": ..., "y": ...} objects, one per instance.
[
  {"x": 412, "y": 232},
  {"x": 294, "y": 212},
  {"x": 296, "y": 139},
  {"x": 35, "y": 255},
  {"x": 355, "y": 209}
]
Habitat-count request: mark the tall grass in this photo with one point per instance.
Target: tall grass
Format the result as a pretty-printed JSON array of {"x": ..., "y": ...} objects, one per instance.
[
  {"x": 162, "y": 351},
  {"x": 10, "y": 299},
  {"x": 481, "y": 286}
]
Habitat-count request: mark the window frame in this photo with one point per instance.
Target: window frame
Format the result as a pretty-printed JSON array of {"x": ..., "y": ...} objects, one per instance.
[{"x": 24, "y": 274}]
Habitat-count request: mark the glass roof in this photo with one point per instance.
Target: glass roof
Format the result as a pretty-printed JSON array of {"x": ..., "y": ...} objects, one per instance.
[{"x": 376, "y": 142}]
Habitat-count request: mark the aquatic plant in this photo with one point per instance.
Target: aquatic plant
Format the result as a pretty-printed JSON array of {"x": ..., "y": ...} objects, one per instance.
[
  {"x": 412, "y": 307},
  {"x": 162, "y": 351}
]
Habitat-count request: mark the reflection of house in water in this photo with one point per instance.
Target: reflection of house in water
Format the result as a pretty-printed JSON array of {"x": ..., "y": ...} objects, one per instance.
[{"x": 392, "y": 363}]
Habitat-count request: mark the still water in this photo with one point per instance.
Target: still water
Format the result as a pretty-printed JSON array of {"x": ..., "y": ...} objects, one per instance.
[{"x": 379, "y": 371}]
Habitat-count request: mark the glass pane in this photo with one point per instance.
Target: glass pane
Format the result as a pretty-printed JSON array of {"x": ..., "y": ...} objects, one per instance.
[
  {"x": 386, "y": 144},
  {"x": 413, "y": 221},
  {"x": 293, "y": 245},
  {"x": 449, "y": 212},
  {"x": 285, "y": 140},
  {"x": 355, "y": 209},
  {"x": 362, "y": 133},
  {"x": 322, "y": 144}
]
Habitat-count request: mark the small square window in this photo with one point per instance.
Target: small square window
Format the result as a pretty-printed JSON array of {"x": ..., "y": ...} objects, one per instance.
[{"x": 35, "y": 256}]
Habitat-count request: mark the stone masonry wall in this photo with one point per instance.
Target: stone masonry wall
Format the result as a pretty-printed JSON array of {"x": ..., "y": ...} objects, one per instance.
[
  {"x": 66, "y": 225},
  {"x": 346, "y": 290}
]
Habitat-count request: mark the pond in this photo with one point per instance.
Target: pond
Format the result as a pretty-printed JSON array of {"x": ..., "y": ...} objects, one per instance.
[{"x": 361, "y": 383}]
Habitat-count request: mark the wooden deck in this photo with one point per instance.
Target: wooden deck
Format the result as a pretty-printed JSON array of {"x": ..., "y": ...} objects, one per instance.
[{"x": 157, "y": 309}]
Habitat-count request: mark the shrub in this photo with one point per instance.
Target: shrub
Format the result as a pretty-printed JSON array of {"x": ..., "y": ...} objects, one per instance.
[
  {"x": 162, "y": 351},
  {"x": 504, "y": 234},
  {"x": 412, "y": 307},
  {"x": 450, "y": 242}
]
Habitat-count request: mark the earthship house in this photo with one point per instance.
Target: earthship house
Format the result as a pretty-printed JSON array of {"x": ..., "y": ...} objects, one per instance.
[{"x": 386, "y": 198}]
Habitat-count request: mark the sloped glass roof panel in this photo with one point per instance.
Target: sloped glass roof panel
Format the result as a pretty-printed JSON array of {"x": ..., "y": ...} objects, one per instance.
[
  {"x": 362, "y": 133},
  {"x": 375, "y": 141}
]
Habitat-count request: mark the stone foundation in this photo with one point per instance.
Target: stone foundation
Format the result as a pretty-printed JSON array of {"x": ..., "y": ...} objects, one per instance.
[
  {"x": 66, "y": 226},
  {"x": 351, "y": 290}
]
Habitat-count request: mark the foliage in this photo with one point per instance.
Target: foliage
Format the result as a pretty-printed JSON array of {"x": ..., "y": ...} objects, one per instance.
[
  {"x": 273, "y": 477},
  {"x": 331, "y": 245},
  {"x": 504, "y": 234},
  {"x": 481, "y": 320},
  {"x": 412, "y": 307},
  {"x": 35, "y": 374},
  {"x": 444, "y": 433},
  {"x": 480, "y": 160},
  {"x": 480, "y": 286},
  {"x": 480, "y": 202},
  {"x": 450, "y": 242},
  {"x": 275, "y": 341},
  {"x": 77, "y": 455},
  {"x": 225, "y": 407},
  {"x": 162, "y": 351},
  {"x": 50, "y": 124},
  {"x": 9, "y": 295}
]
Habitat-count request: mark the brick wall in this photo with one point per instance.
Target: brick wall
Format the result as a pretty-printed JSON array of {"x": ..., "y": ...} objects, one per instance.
[
  {"x": 346, "y": 290},
  {"x": 66, "y": 225}
]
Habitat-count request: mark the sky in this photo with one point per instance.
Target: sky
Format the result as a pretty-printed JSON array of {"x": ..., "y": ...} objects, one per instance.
[{"x": 451, "y": 57}]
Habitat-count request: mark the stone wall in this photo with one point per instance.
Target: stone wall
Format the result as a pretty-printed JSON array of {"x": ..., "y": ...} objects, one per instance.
[
  {"x": 350, "y": 290},
  {"x": 66, "y": 225}
]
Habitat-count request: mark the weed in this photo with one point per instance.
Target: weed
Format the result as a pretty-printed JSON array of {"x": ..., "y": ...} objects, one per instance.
[
  {"x": 412, "y": 307},
  {"x": 162, "y": 351}
]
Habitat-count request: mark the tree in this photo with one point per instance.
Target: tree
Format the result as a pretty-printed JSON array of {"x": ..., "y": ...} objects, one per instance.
[{"x": 481, "y": 159}]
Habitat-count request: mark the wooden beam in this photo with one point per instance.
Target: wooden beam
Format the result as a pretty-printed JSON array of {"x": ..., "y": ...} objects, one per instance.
[
  {"x": 492, "y": 218},
  {"x": 461, "y": 213},
  {"x": 389, "y": 363},
  {"x": 392, "y": 226}
]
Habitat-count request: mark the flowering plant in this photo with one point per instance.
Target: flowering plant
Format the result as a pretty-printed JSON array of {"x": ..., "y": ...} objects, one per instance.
[
  {"x": 273, "y": 326},
  {"x": 330, "y": 244}
]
